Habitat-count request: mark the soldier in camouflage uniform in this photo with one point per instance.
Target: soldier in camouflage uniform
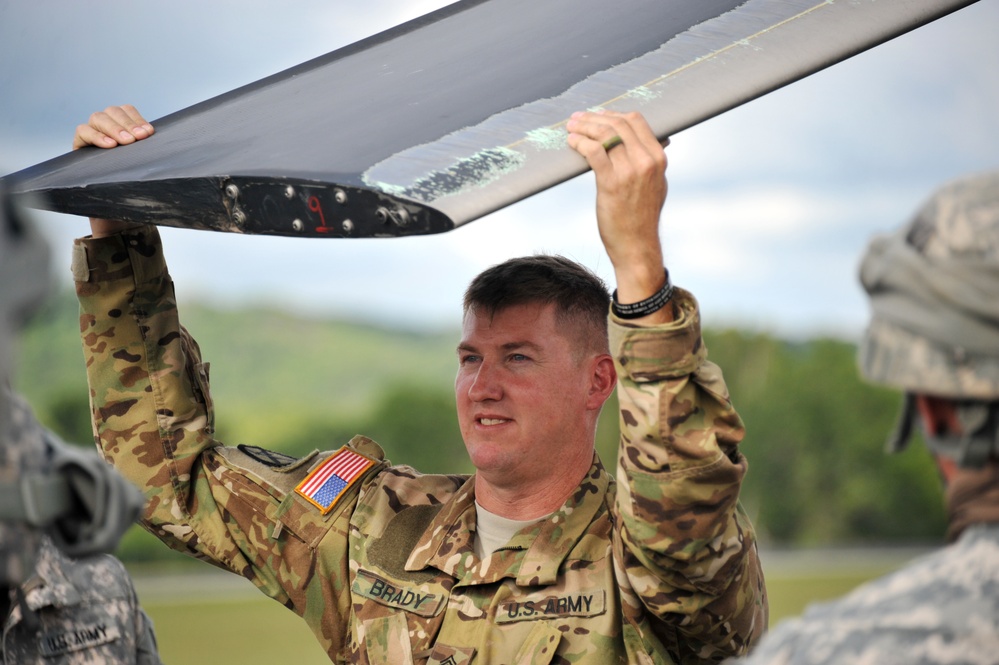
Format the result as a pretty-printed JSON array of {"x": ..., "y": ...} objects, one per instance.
[
  {"x": 24, "y": 257},
  {"x": 59, "y": 610},
  {"x": 78, "y": 612},
  {"x": 56, "y": 609},
  {"x": 934, "y": 333},
  {"x": 540, "y": 557}
]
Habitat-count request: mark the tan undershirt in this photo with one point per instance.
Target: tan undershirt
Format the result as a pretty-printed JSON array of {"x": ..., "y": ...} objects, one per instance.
[{"x": 493, "y": 532}]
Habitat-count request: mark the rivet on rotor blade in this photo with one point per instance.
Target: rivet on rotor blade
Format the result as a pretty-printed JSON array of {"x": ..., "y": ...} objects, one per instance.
[
  {"x": 239, "y": 217},
  {"x": 348, "y": 226},
  {"x": 289, "y": 192},
  {"x": 231, "y": 190},
  {"x": 401, "y": 217},
  {"x": 297, "y": 224},
  {"x": 340, "y": 196}
]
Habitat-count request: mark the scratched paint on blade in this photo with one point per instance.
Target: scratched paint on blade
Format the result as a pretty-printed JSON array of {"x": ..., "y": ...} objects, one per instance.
[
  {"x": 548, "y": 138},
  {"x": 643, "y": 94},
  {"x": 526, "y": 130},
  {"x": 476, "y": 171},
  {"x": 433, "y": 171}
]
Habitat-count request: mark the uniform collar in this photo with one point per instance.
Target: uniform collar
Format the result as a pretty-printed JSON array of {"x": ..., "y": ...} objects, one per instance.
[
  {"x": 535, "y": 554},
  {"x": 50, "y": 586}
]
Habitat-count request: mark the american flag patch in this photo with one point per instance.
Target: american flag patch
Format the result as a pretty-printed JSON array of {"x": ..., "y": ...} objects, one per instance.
[{"x": 328, "y": 481}]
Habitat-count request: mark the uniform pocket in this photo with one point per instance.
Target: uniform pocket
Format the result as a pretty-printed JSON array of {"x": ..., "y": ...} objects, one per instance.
[
  {"x": 386, "y": 639},
  {"x": 540, "y": 645}
]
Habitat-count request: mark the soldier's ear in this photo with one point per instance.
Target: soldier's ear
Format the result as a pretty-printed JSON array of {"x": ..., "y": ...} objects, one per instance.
[{"x": 603, "y": 379}]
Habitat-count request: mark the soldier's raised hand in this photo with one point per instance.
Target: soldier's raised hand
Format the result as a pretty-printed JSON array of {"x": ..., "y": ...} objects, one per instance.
[
  {"x": 630, "y": 168},
  {"x": 114, "y": 126}
]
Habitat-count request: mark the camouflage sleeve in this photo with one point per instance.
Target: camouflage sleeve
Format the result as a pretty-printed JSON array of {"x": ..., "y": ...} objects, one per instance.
[
  {"x": 688, "y": 551},
  {"x": 153, "y": 419}
]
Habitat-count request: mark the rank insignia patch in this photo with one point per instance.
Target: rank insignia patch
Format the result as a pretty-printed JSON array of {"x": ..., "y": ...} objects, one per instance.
[{"x": 324, "y": 486}]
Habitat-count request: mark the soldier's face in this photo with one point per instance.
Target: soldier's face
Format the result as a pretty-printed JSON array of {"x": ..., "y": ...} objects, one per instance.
[
  {"x": 522, "y": 394},
  {"x": 940, "y": 418}
]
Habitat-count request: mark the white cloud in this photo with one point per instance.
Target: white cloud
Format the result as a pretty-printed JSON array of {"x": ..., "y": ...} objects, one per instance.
[{"x": 769, "y": 208}]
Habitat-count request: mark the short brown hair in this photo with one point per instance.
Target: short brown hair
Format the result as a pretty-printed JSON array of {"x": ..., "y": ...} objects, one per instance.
[{"x": 580, "y": 297}]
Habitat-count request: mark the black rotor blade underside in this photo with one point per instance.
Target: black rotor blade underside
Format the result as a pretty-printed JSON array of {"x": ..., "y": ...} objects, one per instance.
[{"x": 446, "y": 118}]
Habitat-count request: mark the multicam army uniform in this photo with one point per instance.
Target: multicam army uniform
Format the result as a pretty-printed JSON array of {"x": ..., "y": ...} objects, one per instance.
[
  {"x": 83, "y": 612},
  {"x": 659, "y": 567},
  {"x": 943, "y": 608}
]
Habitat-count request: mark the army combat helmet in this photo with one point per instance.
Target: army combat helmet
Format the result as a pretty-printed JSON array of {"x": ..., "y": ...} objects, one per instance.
[{"x": 934, "y": 329}]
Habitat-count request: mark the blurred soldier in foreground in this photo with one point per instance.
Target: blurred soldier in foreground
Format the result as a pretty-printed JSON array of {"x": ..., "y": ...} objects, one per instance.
[
  {"x": 23, "y": 282},
  {"x": 57, "y": 502},
  {"x": 934, "y": 289}
]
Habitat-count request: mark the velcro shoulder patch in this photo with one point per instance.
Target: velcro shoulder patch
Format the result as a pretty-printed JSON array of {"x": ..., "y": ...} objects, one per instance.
[
  {"x": 331, "y": 479},
  {"x": 271, "y": 458},
  {"x": 256, "y": 465}
]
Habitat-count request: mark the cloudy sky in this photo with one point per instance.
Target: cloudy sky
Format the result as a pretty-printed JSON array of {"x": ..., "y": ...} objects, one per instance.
[{"x": 770, "y": 204}]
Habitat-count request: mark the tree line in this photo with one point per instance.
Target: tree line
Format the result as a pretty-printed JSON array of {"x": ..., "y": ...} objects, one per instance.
[{"x": 815, "y": 430}]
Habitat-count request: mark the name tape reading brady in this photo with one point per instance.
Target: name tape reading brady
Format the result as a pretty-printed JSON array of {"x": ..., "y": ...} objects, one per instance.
[{"x": 413, "y": 599}]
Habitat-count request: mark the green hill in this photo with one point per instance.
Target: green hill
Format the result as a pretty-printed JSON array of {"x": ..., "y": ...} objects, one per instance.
[
  {"x": 270, "y": 371},
  {"x": 815, "y": 431}
]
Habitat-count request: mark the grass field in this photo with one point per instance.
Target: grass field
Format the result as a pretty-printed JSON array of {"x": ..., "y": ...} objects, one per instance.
[{"x": 206, "y": 617}]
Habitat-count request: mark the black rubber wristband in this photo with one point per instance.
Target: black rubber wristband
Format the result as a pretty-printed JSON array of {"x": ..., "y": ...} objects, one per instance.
[{"x": 653, "y": 303}]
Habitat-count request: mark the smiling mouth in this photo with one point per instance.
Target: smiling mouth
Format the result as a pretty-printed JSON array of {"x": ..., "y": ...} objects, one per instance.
[{"x": 492, "y": 421}]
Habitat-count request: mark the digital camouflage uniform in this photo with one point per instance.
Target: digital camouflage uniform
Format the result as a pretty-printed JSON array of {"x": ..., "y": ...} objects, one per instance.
[
  {"x": 942, "y": 608},
  {"x": 658, "y": 567},
  {"x": 83, "y": 612},
  {"x": 24, "y": 282},
  {"x": 22, "y": 454},
  {"x": 80, "y": 611}
]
